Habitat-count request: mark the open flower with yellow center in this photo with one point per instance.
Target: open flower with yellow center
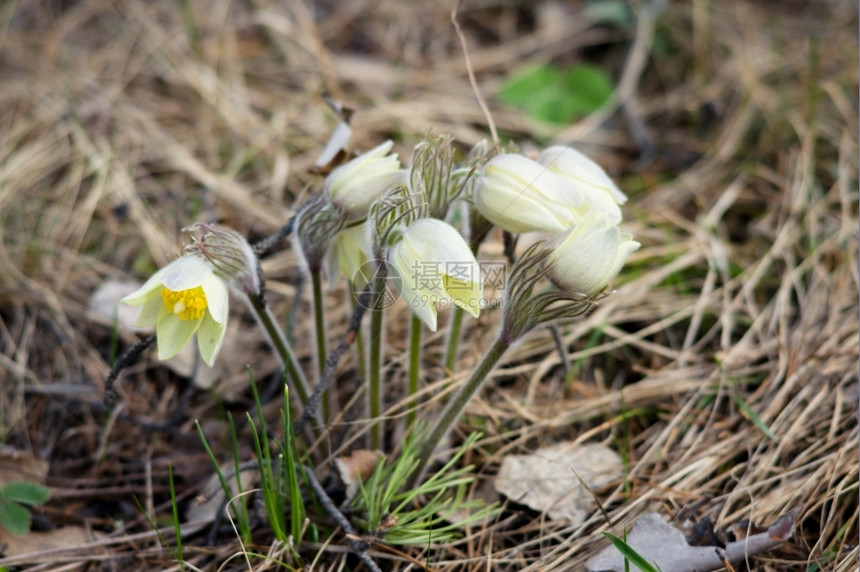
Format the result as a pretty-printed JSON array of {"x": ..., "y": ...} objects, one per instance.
[
  {"x": 434, "y": 265},
  {"x": 183, "y": 298}
]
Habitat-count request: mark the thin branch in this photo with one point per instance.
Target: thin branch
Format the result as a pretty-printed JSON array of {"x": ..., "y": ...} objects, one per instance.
[
  {"x": 490, "y": 123},
  {"x": 130, "y": 355},
  {"x": 358, "y": 546},
  {"x": 331, "y": 362}
]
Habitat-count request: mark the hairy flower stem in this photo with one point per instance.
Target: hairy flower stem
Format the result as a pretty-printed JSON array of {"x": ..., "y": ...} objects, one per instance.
[
  {"x": 414, "y": 365},
  {"x": 453, "y": 345},
  {"x": 319, "y": 323},
  {"x": 374, "y": 361},
  {"x": 281, "y": 345},
  {"x": 456, "y": 405}
]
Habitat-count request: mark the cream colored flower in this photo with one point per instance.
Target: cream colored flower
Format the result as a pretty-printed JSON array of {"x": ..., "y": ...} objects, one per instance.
[
  {"x": 434, "y": 265},
  {"x": 521, "y": 195},
  {"x": 183, "y": 298},
  {"x": 347, "y": 255},
  {"x": 588, "y": 256},
  {"x": 589, "y": 177},
  {"x": 355, "y": 185}
]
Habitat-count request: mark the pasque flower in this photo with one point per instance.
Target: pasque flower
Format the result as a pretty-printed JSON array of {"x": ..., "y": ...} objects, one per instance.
[
  {"x": 435, "y": 265},
  {"x": 185, "y": 297},
  {"x": 348, "y": 256},
  {"x": 522, "y": 195},
  {"x": 588, "y": 256},
  {"x": 596, "y": 187},
  {"x": 355, "y": 185}
]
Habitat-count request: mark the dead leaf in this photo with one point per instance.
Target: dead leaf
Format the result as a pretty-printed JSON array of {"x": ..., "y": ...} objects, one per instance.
[
  {"x": 205, "y": 506},
  {"x": 104, "y": 305},
  {"x": 66, "y": 537},
  {"x": 355, "y": 467},
  {"x": 20, "y": 466},
  {"x": 664, "y": 545},
  {"x": 551, "y": 479}
]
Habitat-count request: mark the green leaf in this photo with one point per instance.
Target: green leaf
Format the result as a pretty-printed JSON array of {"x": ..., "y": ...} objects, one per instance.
[
  {"x": 14, "y": 517},
  {"x": 522, "y": 88},
  {"x": 27, "y": 493},
  {"x": 588, "y": 87},
  {"x": 630, "y": 554},
  {"x": 551, "y": 95},
  {"x": 753, "y": 416}
]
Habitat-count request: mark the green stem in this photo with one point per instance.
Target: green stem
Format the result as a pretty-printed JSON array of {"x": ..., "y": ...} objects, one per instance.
[
  {"x": 281, "y": 345},
  {"x": 414, "y": 365},
  {"x": 319, "y": 323},
  {"x": 374, "y": 362},
  {"x": 453, "y": 345},
  {"x": 354, "y": 295},
  {"x": 454, "y": 407}
]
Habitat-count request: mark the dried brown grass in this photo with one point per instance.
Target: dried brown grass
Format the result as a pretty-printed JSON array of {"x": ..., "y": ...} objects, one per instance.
[{"x": 121, "y": 125}]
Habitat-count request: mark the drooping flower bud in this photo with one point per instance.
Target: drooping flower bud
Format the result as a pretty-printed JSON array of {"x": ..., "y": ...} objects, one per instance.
[
  {"x": 347, "y": 255},
  {"x": 229, "y": 253},
  {"x": 521, "y": 195},
  {"x": 587, "y": 257},
  {"x": 597, "y": 188},
  {"x": 318, "y": 222},
  {"x": 434, "y": 265},
  {"x": 355, "y": 185}
]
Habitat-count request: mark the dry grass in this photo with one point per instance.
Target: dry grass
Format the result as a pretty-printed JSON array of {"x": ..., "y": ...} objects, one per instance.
[{"x": 122, "y": 122}]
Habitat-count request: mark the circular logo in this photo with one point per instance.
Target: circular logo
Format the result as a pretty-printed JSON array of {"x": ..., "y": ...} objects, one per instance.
[{"x": 383, "y": 293}]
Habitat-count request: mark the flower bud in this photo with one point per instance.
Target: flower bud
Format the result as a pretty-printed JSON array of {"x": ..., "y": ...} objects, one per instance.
[
  {"x": 589, "y": 177},
  {"x": 355, "y": 185},
  {"x": 229, "y": 253},
  {"x": 347, "y": 255},
  {"x": 434, "y": 264},
  {"x": 521, "y": 195},
  {"x": 589, "y": 255}
]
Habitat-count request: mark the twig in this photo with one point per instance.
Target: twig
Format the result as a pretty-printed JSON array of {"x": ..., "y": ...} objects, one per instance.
[
  {"x": 264, "y": 245},
  {"x": 331, "y": 362},
  {"x": 124, "y": 361},
  {"x": 358, "y": 546},
  {"x": 490, "y": 123}
]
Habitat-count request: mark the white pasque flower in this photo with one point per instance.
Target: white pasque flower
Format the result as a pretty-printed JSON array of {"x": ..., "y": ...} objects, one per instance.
[
  {"x": 355, "y": 185},
  {"x": 596, "y": 186},
  {"x": 521, "y": 195},
  {"x": 435, "y": 265},
  {"x": 183, "y": 298},
  {"x": 348, "y": 254},
  {"x": 588, "y": 256}
]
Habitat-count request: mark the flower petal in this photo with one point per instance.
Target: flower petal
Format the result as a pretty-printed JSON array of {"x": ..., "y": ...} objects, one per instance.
[
  {"x": 173, "y": 333},
  {"x": 149, "y": 289},
  {"x": 186, "y": 272},
  {"x": 210, "y": 336},
  {"x": 217, "y": 297},
  {"x": 148, "y": 314}
]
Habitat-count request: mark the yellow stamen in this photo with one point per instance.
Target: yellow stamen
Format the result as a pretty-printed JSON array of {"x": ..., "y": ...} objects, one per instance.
[{"x": 187, "y": 304}]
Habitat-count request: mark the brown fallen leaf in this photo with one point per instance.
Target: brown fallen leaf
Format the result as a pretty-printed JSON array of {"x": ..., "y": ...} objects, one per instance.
[
  {"x": 556, "y": 479},
  {"x": 355, "y": 467},
  {"x": 21, "y": 466},
  {"x": 665, "y": 546},
  {"x": 34, "y": 542}
]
